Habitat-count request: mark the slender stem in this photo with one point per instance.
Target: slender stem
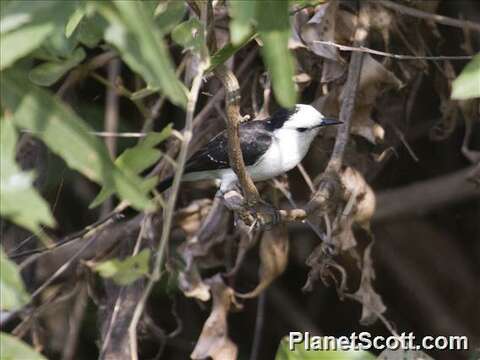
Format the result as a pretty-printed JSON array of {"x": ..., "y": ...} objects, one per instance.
[
  {"x": 346, "y": 111},
  {"x": 259, "y": 321},
  {"x": 390, "y": 55},
  {"x": 168, "y": 216}
]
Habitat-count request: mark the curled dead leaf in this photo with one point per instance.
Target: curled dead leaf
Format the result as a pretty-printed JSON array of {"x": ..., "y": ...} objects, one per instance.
[
  {"x": 372, "y": 303},
  {"x": 190, "y": 218},
  {"x": 322, "y": 27},
  {"x": 374, "y": 79},
  {"x": 273, "y": 256},
  {"x": 191, "y": 284},
  {"x": 197, "y": 251},
  {"x": 361, "y": 194},
  {"x": 214, "y": 341}
]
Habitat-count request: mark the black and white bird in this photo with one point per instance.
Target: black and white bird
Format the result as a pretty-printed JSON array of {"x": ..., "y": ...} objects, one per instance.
[{"x": 270, "y": 147}]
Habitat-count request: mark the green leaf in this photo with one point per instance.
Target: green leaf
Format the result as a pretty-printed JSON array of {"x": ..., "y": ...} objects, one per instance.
[
  {"x": 68, "y": 136},
  {"x": 90, "y": 30},
  {"x": 190, "y": 35},
  {"x": 12, "y": 348},
  {"x": 74, "y": 21},
  {"x": 25, "y": 25},
  {"x": 19, "y": 201},
  {"x": 229, "y": 50},
  {"x": 143, "y": 93},
  {"x": 299, "y": 353},
  {"x": 124, "y": 272},
  {"x": 136, "y": 159},
  {"x": 14, "y": 296},
  {"x": 168, "y": 14},
  {"x": 467, "y": 84},
  {"x": 48, "y": 73},
  {"x": 58, "y": 45},
  {"x": 242, "y": 13},
  {"x": 274, "y": 30},
  {"x": 133, "y": 32}
]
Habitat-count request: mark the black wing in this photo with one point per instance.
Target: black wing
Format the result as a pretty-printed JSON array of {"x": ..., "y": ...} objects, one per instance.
[{"x": 254, "y": 141}]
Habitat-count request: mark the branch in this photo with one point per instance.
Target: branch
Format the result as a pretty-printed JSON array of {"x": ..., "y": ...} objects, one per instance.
[
  {"x": 330, "y": 190},
  {"x": 444, "y": 20},
  {"x": 169, "y": 211},
  {"x": 391, "y": 55},
  {"x": 232, "y": 105},
  {"x": 346, "y": 111},
  {"x": 235, "y": 156},
  {"x": 424, "y": 196}
]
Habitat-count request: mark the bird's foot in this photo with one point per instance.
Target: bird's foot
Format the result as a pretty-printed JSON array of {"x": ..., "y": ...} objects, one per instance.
[{"x": 266, "y": 216}]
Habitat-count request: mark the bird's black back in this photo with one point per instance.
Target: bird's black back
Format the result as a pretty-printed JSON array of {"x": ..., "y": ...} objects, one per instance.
[{"x": 254, "y": 141}]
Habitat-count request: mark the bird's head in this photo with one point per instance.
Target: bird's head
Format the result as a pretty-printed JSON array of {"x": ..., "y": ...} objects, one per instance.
[{"x": 304, "y": 119}]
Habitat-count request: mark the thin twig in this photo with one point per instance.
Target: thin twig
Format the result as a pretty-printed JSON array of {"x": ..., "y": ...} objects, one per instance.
[
  {"x": 111, "y": 111},
  {"x": 81, "y": 71},
  {"x": 122, "y": 91},
  {"x": 75, "y": 322},
  {"x": 391, "y": 55},
  {"x": 346, "y": 111},
  {"x": 106, "y": 134},
  {"x": 257, "y": 337},
  {"x": 168, "y": 215},
  {"x": 402, "y": 138},
  {"x": 444, "y": 20},
  {"x": 61, "y": 269},
  {"x": 306, "y": 177}
]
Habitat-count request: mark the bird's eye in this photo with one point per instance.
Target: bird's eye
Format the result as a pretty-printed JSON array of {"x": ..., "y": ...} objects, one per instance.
[{"x": 302, "y": 129}]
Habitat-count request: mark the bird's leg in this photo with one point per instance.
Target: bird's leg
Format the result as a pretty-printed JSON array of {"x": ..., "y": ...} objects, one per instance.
[
  {"x": 267, "y": 215},
  {"x": 262, "y": 214},
  {"x": 235, "y": 202}
]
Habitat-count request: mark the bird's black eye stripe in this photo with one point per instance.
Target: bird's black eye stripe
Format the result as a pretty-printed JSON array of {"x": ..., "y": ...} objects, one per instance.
[{"x": 302, "y": 129}]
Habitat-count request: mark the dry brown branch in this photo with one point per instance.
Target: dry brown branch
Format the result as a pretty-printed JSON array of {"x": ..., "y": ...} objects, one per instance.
[
  {"x": 346, "y": 111},
  {"x": 390, "y": 55},
  {"x": 444, "y": 20},
  {"x": 329, "y": 188},
  {"x": 232, "y": 104},
  {"x": 423, "y": 196}
]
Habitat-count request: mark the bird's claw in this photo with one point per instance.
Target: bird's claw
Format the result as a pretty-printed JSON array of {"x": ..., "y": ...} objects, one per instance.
[{"x": 266, "y": 216}]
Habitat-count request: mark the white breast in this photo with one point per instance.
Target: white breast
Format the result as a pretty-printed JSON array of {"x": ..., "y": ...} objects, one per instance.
[{"x": 287, "y": 151}]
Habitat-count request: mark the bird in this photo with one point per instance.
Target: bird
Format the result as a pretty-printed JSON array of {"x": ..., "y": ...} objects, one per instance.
[{"x": 270, "y": 147}]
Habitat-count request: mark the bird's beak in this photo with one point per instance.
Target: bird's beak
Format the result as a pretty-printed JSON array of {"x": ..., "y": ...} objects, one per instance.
[{"x": 329, "y": 121}]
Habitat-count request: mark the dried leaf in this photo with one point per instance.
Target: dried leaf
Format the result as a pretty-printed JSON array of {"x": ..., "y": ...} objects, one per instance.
[
  {"x": 214, "y": 341},
  {"x": 192, "y": 285},
  {"x": 374, "y": 79},
  {"x": 373, "y": 305},
  {"x": 273, "y": 256},
  {"x": 322, "y": 27},
  {"x": 189, "y": 219},
  {"x": 197, "y": 252},
  {"x": 363, "y": 196}
]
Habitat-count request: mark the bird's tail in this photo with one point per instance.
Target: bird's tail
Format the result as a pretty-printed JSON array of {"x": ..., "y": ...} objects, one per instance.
[{"x": 165, "y": 184}]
